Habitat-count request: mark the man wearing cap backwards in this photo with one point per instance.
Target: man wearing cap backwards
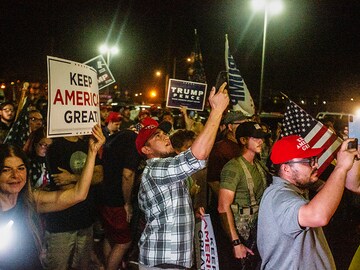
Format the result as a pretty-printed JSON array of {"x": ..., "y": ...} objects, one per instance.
[
  {"x": 167, "y": 240},
  {"x": 243, "y": 181},
  {"x": 289, "y": 225}
]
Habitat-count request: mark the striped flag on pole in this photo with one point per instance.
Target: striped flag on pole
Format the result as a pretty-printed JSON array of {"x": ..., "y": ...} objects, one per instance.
[
  {"x": 239, "y": 94},
  {"x": 298, "y": 122}
]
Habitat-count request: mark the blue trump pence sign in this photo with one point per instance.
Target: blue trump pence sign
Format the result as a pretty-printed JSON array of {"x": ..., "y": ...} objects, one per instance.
[{"x": 186, "y": 93}]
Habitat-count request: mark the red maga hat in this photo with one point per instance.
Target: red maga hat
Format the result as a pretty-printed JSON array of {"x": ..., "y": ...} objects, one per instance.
[
  {"x": 113, "y": 117},
  {"x": 290, "y": 147},
  {"x": 149, "y": 130}
]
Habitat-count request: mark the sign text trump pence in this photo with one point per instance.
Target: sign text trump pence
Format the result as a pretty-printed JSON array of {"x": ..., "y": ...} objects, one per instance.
[
  {"x": 73, "y": 107},
  {"x": 186, "y": 93}
]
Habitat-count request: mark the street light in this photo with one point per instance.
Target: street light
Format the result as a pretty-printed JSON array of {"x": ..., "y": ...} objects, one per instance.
[
  {"x": 105, "y": 49},
  {"x": 269, "y": 7},
  {"x": 174, "y": 65}
]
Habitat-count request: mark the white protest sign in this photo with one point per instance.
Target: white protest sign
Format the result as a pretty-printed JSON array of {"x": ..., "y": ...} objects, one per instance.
[
  {"x": 73, "y": 107},
  {"x": 205, "y": 245}
]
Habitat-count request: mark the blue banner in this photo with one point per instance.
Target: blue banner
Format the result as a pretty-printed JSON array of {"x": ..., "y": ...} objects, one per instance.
[{"x": 186, "y": 93}]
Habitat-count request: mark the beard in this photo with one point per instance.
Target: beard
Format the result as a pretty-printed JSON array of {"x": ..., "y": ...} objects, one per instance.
[
  {"x": 300, "y": 183},
  {"x": 166, "y": 154}
]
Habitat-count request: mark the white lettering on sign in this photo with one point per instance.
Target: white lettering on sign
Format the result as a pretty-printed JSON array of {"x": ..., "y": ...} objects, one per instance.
[
  {"x": 186, "y": 93},
  {"x": 302, "y": 144}
]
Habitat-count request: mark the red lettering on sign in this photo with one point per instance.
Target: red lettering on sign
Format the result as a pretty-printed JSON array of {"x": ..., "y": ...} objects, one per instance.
[
  {"x": 58, "y": 97},
  {"x": 76, "y": 98},
  {"x": 79, "y": 98},
  {"x": 69, "y": 96}
]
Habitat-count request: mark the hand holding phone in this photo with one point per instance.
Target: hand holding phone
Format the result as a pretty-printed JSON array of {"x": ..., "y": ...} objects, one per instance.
[
  {"x": 353, "y": 144},
  {"x": 220, "y": 79}
]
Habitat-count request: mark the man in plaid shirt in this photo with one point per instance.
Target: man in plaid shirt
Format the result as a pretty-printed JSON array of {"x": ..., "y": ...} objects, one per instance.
[{"x": 167, "y": 240}]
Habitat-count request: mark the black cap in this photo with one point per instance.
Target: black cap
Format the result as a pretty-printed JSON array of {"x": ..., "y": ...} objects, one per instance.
[{"x": 250, "y": 129}]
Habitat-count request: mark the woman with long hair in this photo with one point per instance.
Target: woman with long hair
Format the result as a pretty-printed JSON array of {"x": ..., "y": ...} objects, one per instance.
[
  {"x": 36, "y": 148},
  {"x": 20, "y": 246}
]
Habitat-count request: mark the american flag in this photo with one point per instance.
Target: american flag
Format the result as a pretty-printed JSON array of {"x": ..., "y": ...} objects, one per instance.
[
  {"x": 196, "y": 72},
  {"x": 298, "y": 122},
  {"x": 19, "y": 131},
  {"x": 239, "y": 94}
]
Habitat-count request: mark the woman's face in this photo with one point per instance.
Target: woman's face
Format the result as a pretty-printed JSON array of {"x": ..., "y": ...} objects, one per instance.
[
  {"x": 42, "y": 146},
  {"x": 12, "y": 176}
]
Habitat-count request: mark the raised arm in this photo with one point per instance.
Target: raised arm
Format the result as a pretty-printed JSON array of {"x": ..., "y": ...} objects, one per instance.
[
  {"x": 322, "y": 207},
  {"x": 58, "y": 200},
  {"x": 353, "y": 177},
  {"x": 188, "y": 121},
  {"x": 204, "y": 141}
]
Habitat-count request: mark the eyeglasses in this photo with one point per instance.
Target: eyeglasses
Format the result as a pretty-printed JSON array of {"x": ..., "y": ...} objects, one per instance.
[
  {"x": 35, "y": 119},
  {"x": 310, "y": 161}
]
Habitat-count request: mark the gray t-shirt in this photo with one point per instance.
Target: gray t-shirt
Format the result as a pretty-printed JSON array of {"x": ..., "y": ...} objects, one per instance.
[{"x": 282, "y": 243}]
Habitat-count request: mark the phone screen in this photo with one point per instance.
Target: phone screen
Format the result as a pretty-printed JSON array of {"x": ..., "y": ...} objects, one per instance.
[{"x": 354, "y": 126}]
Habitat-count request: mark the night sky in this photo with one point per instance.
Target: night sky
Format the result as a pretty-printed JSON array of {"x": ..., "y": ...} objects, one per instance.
[{"x": 312, "y": 47}]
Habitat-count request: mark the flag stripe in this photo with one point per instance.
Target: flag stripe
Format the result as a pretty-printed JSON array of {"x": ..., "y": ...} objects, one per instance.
[
  {"x": 330, "y": 151},
  {"x": 315, "y": 134},
  {"x": 298, "y": 122},
  {"x": 236, "y": 84},
  {"x": 329, "y": 155},
  {"x": 238, "y": 92}
]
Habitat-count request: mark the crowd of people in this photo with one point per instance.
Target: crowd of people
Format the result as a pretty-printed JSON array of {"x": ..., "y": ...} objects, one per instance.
[{"x": 128, "y": 196}]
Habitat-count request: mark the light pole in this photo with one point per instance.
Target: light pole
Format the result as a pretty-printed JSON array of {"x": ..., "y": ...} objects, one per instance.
[
  {"x": 268, "y": 7},
  {"x": 105, "y": 49},
  {"x": 174, "y": 65}
]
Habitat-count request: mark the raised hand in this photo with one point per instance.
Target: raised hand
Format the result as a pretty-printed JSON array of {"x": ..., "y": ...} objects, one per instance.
[{"x": 97, "y": 139}]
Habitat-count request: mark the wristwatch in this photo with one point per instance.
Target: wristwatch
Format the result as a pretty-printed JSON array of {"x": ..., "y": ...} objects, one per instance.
[{"x": 236, "y": 242}]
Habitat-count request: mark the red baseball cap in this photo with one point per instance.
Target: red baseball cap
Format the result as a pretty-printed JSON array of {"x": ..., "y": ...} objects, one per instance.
[
  {"x": 148, "y": 130},
  {"x": 147, "y": 121},
  {"x": 113, "y": 117},
  {"x": 290, "y": 147}
]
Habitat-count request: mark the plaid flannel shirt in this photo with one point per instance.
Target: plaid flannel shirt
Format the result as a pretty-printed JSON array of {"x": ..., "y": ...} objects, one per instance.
[{"x": 164, "y": 198}]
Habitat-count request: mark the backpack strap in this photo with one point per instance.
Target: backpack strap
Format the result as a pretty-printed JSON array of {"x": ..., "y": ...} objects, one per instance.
[{"x": 249, "y": 179}]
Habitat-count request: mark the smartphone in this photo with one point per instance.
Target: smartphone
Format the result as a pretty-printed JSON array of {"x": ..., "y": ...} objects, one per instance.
[
  {"x": 353, "y": 144},
  {"x": 220, "y": 79}
]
